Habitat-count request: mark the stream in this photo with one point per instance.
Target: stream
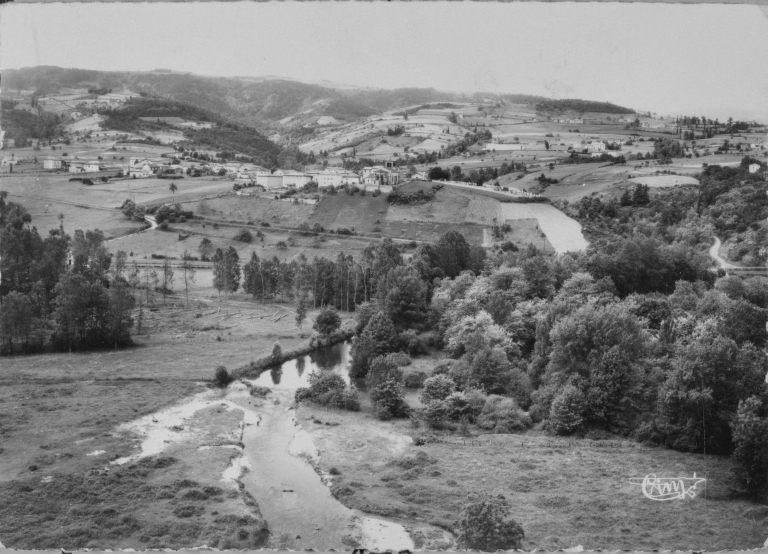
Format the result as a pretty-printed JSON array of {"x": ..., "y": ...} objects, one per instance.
[{"x": 277, "y": 464}]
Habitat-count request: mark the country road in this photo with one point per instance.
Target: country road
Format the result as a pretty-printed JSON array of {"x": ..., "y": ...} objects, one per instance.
[{"x": 714, "y": 253}]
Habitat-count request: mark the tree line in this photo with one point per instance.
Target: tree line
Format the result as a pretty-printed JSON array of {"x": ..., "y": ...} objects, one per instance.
[{"x": 61, "y": 291}]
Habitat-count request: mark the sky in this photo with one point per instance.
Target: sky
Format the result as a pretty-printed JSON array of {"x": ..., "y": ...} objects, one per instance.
[{"x": 670, "y": 59}]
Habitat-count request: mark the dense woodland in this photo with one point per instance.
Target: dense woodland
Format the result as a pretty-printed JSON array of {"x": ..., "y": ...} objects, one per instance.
[
  {"x": 581, "y": 106},
  {"x": 59, "y": 292}
]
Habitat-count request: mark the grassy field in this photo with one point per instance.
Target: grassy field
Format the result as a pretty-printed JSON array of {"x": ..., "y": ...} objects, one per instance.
[
  {"x": 350, "y": 212},
  {"x": 564, "y": 492},
  {"x": 59, "y": 422}
]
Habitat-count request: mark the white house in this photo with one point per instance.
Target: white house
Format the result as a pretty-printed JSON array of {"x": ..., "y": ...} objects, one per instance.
[
  {"x": 296, "y": 179},
  {"x": 754, "y": 168},
  {"x": 499, "y": 147},
  {"x": 140, "y": 171},
  {"x": 378, "y": 175},
  {"x": 597, "y": 146},
  {"x": 578, "y": 145},
  {"x": 51, "y": 163},
  {"x": 90, "y": 167},
  {"x": 331, "y": 178}
]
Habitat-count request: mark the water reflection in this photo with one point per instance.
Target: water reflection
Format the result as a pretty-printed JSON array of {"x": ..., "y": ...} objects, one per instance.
[
  {"x": 294, "y": 373},
  {"x": 276, "y": 375}
]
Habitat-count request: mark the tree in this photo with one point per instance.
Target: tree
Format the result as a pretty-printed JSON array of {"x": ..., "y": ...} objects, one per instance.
[
  {"x": 205, "y": 248},
  {"x": 167, "y": 277},
  {"x": 566, "y": 413},
  {"x": 452, "y": 253},
  {"x": 301, "y": 311},
  {"x": 750, "y": 438},
  {"x": 406, "y": 299},
  {"x": 173, "y": 188},
  {"x": 389, "y": 400},
  {"x": 485, "y": 524},
  {"x": 187, "y": 274},
  {"x": 327, "y": 321},
  {"x": 15, "y": 319},
  {"x": 121, "y": 304},
  {"x": 378, "y": 338}
]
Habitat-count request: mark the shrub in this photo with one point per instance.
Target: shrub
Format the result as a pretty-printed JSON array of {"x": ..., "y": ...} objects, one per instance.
[
  {"x": 413, "y": 344},
  {"x": 567, "y": 412},
  {"x": 221, "y": 377},
  {"x": 302, "y": 394},
  {"x": 465, "y": 405},
  {"x": 415, "y": 380},
  {"x": 243, "y": 235},
  {"x": 388, "y": 398},
  {"x": 400, "y": 359},
  {"x": 484, "y": 524},
  {"x": 322, "y": 382},
  {"x": 437, "y": 388},
  {"x": 436, "y": 413},
  {"x": 277, "y": 352},
  {"x": 503, "y": 415},
  {"x": 350, "y": 398}
]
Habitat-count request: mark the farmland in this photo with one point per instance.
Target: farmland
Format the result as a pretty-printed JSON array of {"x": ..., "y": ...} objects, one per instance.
[{"x": 145, "y": 447}]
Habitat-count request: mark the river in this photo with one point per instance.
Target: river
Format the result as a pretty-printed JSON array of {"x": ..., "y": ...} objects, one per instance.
[{"x": 278, "y": 461}]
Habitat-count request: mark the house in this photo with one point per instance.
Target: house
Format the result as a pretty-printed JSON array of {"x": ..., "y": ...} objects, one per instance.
[
  {"x": 9, "y": 161},
  {"x": 296, "y": 179},
  {"x": 378, "y": 175},
  {"x": 754, "y": 168},
  {"x": 756, "y": 146},
  {"x": 597, "y": 146},
  {"x": 140, "y": 171},
  {"x": 578, "y": 145},
  {"x": 51, "y": 163},
  {"x": 332, "y": 178},
  {"x": 91, "y": 167},
  {"x": 76, "y": 167},
  {"x": 420, "y": 176}
]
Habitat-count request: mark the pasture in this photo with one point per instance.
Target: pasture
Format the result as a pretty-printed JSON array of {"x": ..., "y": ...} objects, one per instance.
[{"x": 564, "y": 492}]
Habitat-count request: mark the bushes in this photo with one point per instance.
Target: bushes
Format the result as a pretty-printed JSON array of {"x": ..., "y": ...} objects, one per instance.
[
  {"x": 221, "y": 377},
  {"x": 330, "y": 390},
  {"x": 437, "y": 388},
  {"x": 387, "y": 398},
  {"x": 503, "y": 415},
  {"x": 567, "y": 412},
  {"x": 243, "y": 235},
  {"x": 415, "y": 380},
  {"x": 484, "y": 524}
]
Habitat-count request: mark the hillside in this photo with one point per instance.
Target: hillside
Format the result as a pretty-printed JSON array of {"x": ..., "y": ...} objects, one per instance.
[{"x": 581, "y": 106}]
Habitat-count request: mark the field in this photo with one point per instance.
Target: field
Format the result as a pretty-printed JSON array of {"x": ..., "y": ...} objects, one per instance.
[
  {"x": 61, "y": 424},
  {"x": 564, "y": 492},
  {"x": 665, "y": 181}
]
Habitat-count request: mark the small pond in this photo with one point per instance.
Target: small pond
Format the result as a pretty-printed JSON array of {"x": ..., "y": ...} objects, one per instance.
[{"x": 294, "y": 374}]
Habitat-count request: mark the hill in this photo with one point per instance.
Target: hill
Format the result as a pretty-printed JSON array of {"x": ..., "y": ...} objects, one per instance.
[
  {"x": 224, "y": 135},
  {"x": 581, "y": 106}
]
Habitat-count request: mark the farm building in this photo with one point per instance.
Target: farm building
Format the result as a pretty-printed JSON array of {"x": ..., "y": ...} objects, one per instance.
[
  {"x": 9, "y": 161},
  {"x": 51, "y": 163},
  {"x": 754, "y": 168}
]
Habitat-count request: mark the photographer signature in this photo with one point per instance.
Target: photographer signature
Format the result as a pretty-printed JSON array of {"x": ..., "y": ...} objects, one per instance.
[{"x": 668, "y": 488}]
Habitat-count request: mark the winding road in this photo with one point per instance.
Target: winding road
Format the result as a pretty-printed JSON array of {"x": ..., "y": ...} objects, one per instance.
[{"x": 714, "y": 253}]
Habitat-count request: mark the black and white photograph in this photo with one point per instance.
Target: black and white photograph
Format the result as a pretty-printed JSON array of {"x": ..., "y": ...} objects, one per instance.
[{"x": 383, "y": 277}]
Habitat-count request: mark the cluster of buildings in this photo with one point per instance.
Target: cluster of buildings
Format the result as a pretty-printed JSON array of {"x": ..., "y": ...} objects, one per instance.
[{"x": 575, "y": 120}]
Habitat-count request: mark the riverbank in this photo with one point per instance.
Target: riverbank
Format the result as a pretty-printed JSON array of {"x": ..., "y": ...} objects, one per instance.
[{"x": 564, "y": 492}]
